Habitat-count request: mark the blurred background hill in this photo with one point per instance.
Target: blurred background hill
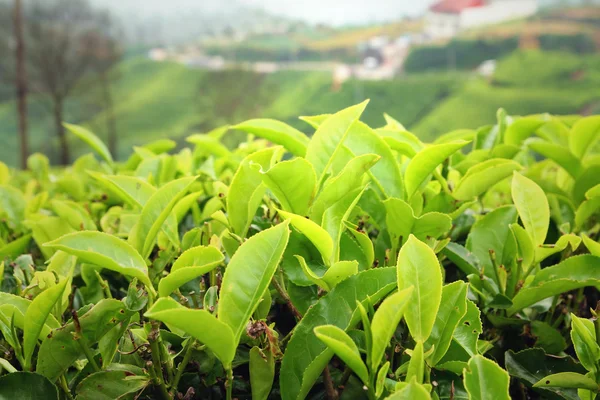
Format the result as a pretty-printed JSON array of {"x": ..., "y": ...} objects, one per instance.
[{"x": 144, "y": 70}]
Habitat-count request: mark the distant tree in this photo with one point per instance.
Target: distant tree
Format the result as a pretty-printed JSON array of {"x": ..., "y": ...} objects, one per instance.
[
  {"x": 61, "y": 37},
  {"x": 107, "y": 53},
  {"x": 21, "y": 79},
  {"x": 6, "y": 40}
]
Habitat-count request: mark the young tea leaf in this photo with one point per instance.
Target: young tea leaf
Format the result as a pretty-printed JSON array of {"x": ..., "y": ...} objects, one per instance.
[
  {"x": 418, "y": 266},
  {"x": 343, "y": 346},
  {"x": 105, "y": 250},
  {"x": 533, "y": 208},
  {"x": 249, "y": 274},
  {"x": 485, "y": 380},
  {"x": 200, "y": 324}
]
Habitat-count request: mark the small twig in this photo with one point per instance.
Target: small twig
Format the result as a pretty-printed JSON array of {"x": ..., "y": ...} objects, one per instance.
[
  {"x": 65, "y": 387},
  {"x": 181, "y": 367},
  {"x": 329, "y": 388},
  {"x": 150, "y": 367},
  {"x": 153, "y": 338},
  {"x": 286, "y": 298},
  {"x": 82, "y": 342},
  {"x": 229, "y": 383}
]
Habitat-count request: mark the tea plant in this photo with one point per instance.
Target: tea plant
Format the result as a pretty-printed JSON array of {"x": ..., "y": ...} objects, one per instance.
[{"x": 351, "y": 262}]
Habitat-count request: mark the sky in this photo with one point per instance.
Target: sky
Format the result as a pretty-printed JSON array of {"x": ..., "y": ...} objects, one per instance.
[
  {"x": 332, "y": 12},
  {"x": 337, "y": 12}
]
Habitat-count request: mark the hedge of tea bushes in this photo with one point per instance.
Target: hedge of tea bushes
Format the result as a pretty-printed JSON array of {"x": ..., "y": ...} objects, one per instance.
[{"x": 344, "y": 261}]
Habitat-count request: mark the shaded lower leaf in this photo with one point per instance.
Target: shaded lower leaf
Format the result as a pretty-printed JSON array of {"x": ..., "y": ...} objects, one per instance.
[
  {"x": 59, "y": 351},
  {"x": 548, "y": 338},
  {"x": 110, "y": 385},
  {"x": 27, "y": 386},
  {"x": 573, "y": 273},
  {"x": 531, "y": 365},
  {"x": 306, "y": 356}
]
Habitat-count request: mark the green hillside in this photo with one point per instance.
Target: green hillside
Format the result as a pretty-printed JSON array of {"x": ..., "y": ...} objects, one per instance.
[
  {"x": 525, "y": 83},
  {"x": 159, "y": 100}
]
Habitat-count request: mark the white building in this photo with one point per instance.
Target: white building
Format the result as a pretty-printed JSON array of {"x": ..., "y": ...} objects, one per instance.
[{"x": 447, "y": 18}]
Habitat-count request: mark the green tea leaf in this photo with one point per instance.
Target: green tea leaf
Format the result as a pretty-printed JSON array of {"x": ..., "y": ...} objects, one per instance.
[
  {"x": 484, "y": 379},
  {"x": 155, "y": 212},
  {"x": 317, "y": 235},
  {"x": 343, "y": 346},
  {"x": 380, "y": 380},
  {"x": 416, "y": 366},
  {"x": 27, "y": 386},
  {"x": 92, "y": 140},
  {"x": 468, "y": 329},
  {"x": 306, "y": 356},
  {"x": 401, "y": 222},
  {"x": 548, "y": 338},
  {"x": 586, "y": 211},
  {"x": 36, "y": 316},
  {"x": 533, "y": 208},
  {"x": 12, "y": 206},
  {"x": 108, "y": 385},
  {"x": 559, "y": 155},
  {"x": 334, "y": 217},
  {"x": 418, "y": 266},
  {"x": 524, "y": 243},
  {"x": 75, "y": 215},
  {"x": 572, "y": 273},
  {"x": 341, "y": 185},
  {"x": 293, "y": 183},
  {"x": 262, "y": 373},
  {"x": 249, "y": 274},
  {"x": 19, "y": 306},
  {"x": 104, "y": 250},
  {"x": 200, "y": 324},
  {"x": 332, "y": 276},
  {"x": 521, "y": 129},
  {"x": 592, "y": 246},
  {"x": 492, "y": 232},
  {"x": 15, "y": 248},
  {"x": 329, "y": 137},
  {"x": 545, "y": 251},
  {"x": 583, "y": 335},
  {"x": 277, "y": 132},
  {"x": 531, "y": 365},
  {"x": 425, "y": 162},
  {"x": 191, "y": 264},
  {"x": 584, "y": 134},
  {"x": 385, "y": 321},
  {"x": 247, "y": 188},
  {"x": 568, "y": 380},
  {"x": 60, "y": 350},
  {"x": 134, "y": 191},
  {"x": 385, "y": 173},
  {"x": 411, "y": 391},
  {"x": 452, "y": 308},
  {"x": 483, "y": 176},
  {"x": 462, "y": 258}
]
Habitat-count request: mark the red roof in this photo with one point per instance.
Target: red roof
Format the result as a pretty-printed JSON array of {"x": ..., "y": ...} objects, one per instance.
[{"x": 455, "y": 6}]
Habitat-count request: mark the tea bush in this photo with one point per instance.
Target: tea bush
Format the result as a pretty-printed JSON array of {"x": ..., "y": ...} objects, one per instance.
[{"x": 351, "y": 263}]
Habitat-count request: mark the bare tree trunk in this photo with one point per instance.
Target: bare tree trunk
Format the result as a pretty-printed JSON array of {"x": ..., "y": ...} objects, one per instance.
[
  {"x": 21, "y": 81},
  {"x": 60, "y": 130},
  {"x": 111, "y": 124}
]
